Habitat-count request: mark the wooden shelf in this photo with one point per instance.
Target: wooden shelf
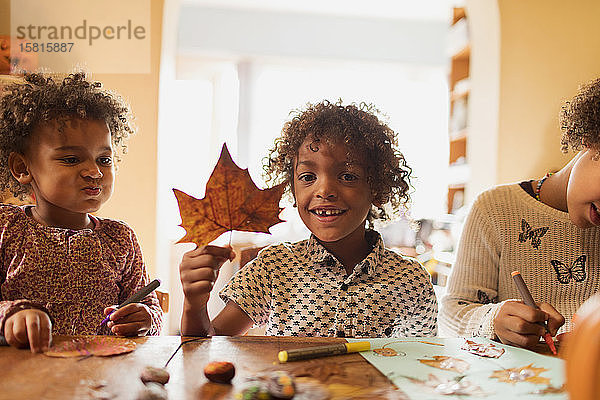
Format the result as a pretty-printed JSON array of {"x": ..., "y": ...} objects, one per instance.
[
  {"x": 462, "y": 54},
  {"x": 459, "y": 52},
  {"x": 458, "y": 14},
  {"x": 453, "y": 192},
  {"x": 457, "y": 96},
  {"x": 458, "y": 149},
  {"x": 459, "y": 69}
]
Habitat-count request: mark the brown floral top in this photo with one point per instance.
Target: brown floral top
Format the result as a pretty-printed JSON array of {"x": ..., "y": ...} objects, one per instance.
[{"x": 71, "y": 274}]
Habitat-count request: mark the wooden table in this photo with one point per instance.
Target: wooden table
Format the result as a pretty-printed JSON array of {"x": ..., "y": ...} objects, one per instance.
[{"x": 24, "y": 375}]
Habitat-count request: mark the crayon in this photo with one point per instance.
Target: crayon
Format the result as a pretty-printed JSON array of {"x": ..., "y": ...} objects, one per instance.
[
  {"x": 135, "y": 298},
  {"x": 322, "y": 351},
  {"x": 527, "y": 299}
]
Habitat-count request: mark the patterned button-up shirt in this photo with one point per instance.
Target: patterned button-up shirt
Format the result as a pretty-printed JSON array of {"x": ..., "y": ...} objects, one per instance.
[
  {"x": 71, "y": 274},
  {"x": 300, "y": 289}
]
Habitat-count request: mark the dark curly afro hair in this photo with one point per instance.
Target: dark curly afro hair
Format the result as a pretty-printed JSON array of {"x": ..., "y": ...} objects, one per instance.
[
  {"x": 38, "y": 99},
  {"x": 580, "y": 119},
  {"x": 368, "y": 139}
]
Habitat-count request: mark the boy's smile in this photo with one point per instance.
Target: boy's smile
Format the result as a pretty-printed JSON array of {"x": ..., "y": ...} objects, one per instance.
[
  {"x": 332, "y": 194},
  {"x": 327, "y": 213},
  {"x": 71, "y": 172}
]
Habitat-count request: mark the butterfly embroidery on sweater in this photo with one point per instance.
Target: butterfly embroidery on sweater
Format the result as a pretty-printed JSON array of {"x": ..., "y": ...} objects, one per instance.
[
  {"x": 534, "y": 234},
  {"x": 576, "y": 271},
  {"x": 483, "y": 297}
]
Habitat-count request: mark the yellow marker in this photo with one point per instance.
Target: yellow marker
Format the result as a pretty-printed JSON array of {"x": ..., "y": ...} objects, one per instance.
[{"x": 322, "y": 351}]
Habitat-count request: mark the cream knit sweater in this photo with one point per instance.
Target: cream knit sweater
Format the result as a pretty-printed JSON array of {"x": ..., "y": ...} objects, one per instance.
[{"x": 508, "y": 230}]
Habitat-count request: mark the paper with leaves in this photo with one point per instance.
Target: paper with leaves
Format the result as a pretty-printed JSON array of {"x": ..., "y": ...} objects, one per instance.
[
  {"x": 232, "y": 202},
  {"x": 429, "y": 372}
]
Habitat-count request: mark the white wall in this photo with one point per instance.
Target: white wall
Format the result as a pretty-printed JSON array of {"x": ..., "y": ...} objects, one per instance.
[{"x": 244, "y": 33}]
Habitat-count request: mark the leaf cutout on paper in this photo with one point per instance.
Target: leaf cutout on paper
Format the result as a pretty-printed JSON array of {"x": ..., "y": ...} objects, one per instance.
[
  {"x": 523, "y": 374},
  {"x": 482, "y": 349},
  {"x": 385, "y": 352},
  {"x": 447, "y": 363},
  {"x": 452, "y": 387},
  {"x": 231, "y": 202},
  {"x": 389, "y": 352},
  {"x": 91, "y": 346}
]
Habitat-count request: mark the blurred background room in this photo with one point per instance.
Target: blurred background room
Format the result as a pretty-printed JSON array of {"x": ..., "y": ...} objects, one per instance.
[{"x": 238, "y": 70}]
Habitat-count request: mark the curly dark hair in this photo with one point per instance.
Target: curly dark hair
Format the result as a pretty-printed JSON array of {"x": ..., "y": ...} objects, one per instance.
[
  {"x": 367, "y": 138},
  {"x": 580, "y": 119},
  {"x": 39, "y": 99}
]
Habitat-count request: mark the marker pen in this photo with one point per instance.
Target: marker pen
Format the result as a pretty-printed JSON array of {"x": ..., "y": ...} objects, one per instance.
[
  {"x": 135, "y": 298},
  {"x": 527, "y": 299},
  {"x": 322, "y": 351}
]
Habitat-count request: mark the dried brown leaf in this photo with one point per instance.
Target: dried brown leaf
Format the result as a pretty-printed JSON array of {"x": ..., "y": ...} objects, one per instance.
[
  {"x": 481, "y": 349},
  {"x": 91, "y": 346},
  {"x": 231, "y": 202}
]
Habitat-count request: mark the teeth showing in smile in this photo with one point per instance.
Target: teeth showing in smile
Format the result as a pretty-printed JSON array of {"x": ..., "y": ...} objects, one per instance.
[{"x": 327, "y": 212}]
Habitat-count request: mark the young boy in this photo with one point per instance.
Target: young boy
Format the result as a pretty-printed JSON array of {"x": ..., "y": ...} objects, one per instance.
[{"x": 342, "y": 168}]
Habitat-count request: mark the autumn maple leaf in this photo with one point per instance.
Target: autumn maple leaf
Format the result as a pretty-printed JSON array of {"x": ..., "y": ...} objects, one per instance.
[{"x": 231, "y": 202}]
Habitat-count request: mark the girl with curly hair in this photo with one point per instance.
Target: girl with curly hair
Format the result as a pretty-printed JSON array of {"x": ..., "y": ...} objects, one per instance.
[
  {"x": 61, "y": 268},
  {"x": 548, "y": 229},
  {"x": 343, "y": 170}
]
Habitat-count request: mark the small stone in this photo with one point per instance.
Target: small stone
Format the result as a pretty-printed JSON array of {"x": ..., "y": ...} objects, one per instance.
[
  {"x": 153, "y": 374},
  {"x": 219, "y": 371}
]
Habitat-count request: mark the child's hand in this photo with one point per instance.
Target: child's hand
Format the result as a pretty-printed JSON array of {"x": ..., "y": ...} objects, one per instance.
[
  {"x": 31, "y": 327},
  {"x": 517, "y": 324},
  {"x": 198, "y": 271},
  {"x": 131, "y": 320}
]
